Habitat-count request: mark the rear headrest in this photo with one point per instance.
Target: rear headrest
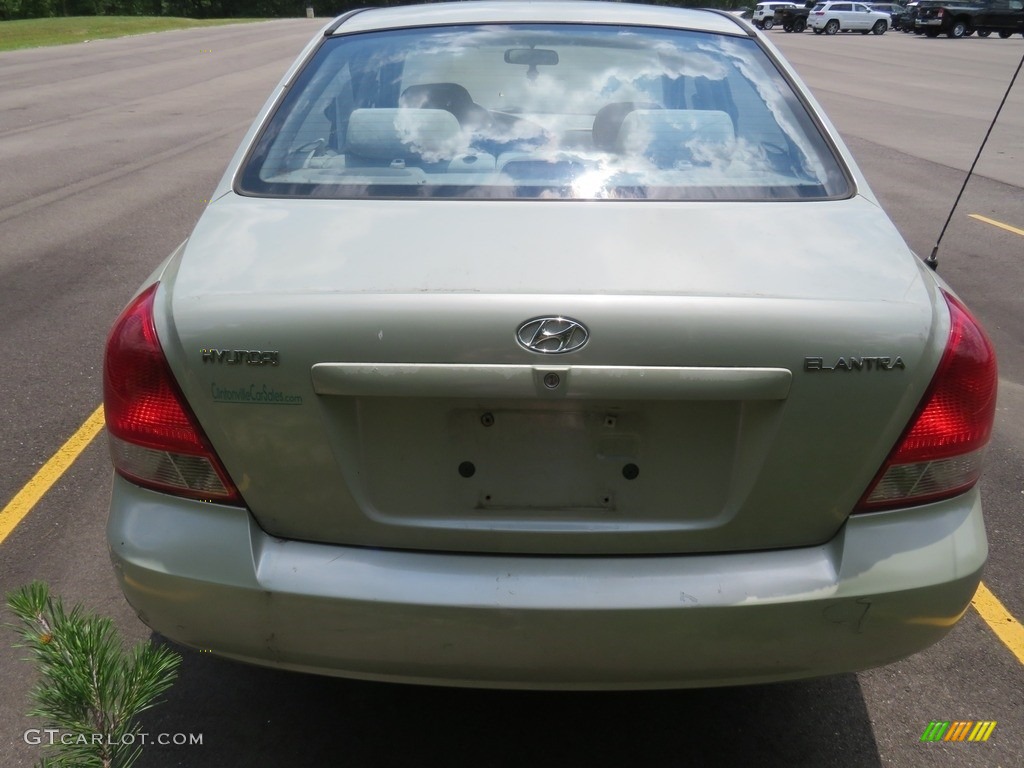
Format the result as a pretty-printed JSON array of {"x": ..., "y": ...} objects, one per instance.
[
  {"x": 450, "y": 96},
  {"x": 671, "y": 135},
  {"x": 608, "y": 121},
  {"x": 390, "y": 134}
]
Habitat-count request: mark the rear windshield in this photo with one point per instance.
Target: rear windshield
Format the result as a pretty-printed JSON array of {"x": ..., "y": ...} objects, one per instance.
[{"x": 542, "y": 111}]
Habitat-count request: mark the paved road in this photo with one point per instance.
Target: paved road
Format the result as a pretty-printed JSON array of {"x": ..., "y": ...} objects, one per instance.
[{"x": 107, "y": 151}]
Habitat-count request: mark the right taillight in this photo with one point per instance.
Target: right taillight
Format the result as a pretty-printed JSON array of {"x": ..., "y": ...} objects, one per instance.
[
  {"x": 155, "y": 439},
  {"x": 940, "y": 453}
]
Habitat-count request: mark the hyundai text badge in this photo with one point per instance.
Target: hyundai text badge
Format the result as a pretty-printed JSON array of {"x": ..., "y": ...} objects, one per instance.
[{"x": 552, "y": 335}]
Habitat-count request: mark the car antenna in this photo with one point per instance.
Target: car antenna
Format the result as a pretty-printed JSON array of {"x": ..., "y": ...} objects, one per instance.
[{"x": 933, "y": 260}]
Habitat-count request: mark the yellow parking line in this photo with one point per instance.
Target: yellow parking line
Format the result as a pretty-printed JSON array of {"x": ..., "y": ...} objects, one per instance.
[
  {"x": 49, "y": 474},
  {"x": 995, "y": 223},
  {"x": 1007, "y": 628}
]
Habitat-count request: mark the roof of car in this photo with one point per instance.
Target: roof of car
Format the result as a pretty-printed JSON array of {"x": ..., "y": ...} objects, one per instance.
[{"x": 557, "y": 11}]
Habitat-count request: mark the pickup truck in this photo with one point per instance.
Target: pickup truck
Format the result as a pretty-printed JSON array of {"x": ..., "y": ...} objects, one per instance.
[
  {"x": 794, "y": 18},
  {"x": 1005, "y": 17}
]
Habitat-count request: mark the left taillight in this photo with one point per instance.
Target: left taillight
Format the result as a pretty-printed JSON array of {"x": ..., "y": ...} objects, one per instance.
[{"x": 155, "y": 439}]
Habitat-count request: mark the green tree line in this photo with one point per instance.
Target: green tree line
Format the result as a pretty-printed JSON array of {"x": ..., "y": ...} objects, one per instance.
[
  {"x": 224, "y": 9},
  {"x": 194, "y": 9}
]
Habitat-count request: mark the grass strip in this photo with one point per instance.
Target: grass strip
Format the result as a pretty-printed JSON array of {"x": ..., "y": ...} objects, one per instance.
[{"x": 35, "y": 33}]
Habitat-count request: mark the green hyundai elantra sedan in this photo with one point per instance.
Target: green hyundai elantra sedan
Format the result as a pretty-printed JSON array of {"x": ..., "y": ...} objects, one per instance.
[{"x": 547, "y": 345}]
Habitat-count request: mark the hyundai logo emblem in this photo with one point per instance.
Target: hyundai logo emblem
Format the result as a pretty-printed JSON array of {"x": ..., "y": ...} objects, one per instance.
[{"x": 552, "y": 335}]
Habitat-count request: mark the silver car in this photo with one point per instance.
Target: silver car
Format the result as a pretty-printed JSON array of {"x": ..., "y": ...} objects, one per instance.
[{"x": 547, "y": 345}]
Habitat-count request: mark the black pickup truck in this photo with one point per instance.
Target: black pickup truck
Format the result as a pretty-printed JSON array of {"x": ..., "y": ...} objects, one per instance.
[
  {"x": 794, "y": 19},
  {"x": 1005, "y": 17}
]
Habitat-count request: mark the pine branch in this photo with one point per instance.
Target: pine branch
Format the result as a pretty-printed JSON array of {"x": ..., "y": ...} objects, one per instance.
[{"x": 87, "y": 683}]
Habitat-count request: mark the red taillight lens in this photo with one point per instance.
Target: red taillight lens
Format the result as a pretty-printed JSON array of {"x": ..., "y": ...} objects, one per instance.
[
  {"x": 940, "y": 454},
  {"x": 155, "y": 440}
]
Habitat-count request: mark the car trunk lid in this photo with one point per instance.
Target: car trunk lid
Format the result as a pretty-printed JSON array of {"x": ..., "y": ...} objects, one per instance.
[{"x": 748, "y": 367}]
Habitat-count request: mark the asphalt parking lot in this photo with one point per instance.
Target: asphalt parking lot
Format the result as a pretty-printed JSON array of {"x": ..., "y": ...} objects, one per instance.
[{"x": 108, "y": 151}]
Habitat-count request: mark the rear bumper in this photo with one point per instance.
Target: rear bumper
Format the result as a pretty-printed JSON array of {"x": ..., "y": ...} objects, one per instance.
[{"x": 888, "y": 585}]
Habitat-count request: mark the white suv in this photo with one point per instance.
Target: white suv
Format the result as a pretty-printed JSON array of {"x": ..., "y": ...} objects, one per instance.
[
  {"x": 831, "y": 17},
  {"x": 764, "y": 14}
]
